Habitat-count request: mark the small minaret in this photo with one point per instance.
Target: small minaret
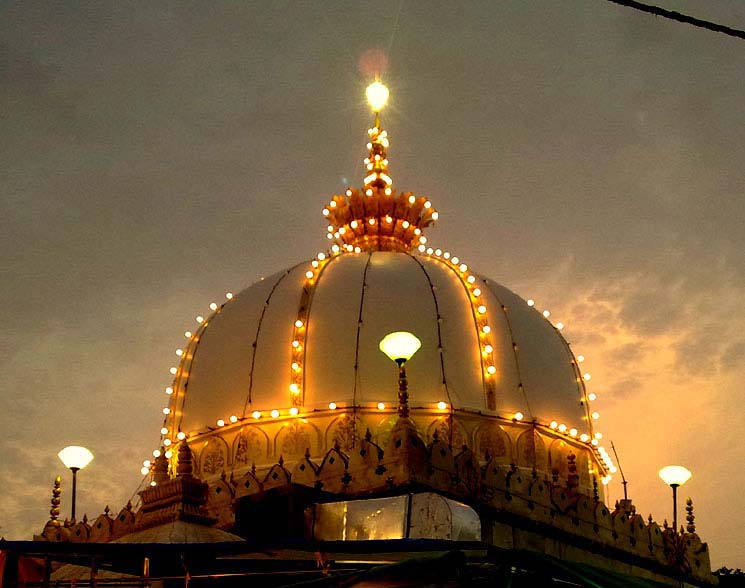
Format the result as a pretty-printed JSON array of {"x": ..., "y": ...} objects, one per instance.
[{"x": 691, "y": 527}]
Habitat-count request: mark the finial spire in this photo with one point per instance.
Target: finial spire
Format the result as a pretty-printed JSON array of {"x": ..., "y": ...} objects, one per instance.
[
  {"x": 376, "y": 218},
  {"x": 54, "y": 511},
  {"x": 377, "y": 161}
]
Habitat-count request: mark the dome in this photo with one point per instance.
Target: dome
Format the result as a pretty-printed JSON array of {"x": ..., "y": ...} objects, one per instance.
[
  {"x": 242, "y": 359},
  {"x": 291, "y": 367}
]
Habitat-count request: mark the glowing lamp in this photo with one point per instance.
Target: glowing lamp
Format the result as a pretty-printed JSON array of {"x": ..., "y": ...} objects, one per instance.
[
  {"x": 675, "y": 476},
  {"x": 400, "y": 346},
  {"x": 75, "y": 458},
  {"x": 377, "y": 95}
]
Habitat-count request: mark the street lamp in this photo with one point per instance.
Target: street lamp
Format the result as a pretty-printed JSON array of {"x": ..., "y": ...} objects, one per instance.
[
  {"x": 75, "y": 458},
  {"x": 400, "y": 347},
  {"x": 675, "y": 476}
]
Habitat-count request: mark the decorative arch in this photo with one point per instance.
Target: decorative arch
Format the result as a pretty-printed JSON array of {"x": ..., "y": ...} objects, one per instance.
[
  {"x": 344, "y": 430},
  {"x": 492, "y": 440},
  {"x": 250, "y": 445},
  {"x": 531, "y": 451},
  {"x": 213, "y": 457},
  {"x": 558, "y": 454},
  {"x": 450, "y": 430},
  {"x": 294, "y": 438}
]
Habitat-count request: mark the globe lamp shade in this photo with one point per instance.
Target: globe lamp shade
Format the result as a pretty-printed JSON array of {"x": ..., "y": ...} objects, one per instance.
[
  {"x": 74, "y": 457},
  {"x": 400, "y": 346},
  {"x": 377, "y": 96},
  {"x": 675, "y": 475}
]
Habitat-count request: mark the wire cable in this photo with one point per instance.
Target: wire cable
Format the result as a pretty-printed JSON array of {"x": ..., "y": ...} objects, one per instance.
[{"x": 677, "y": 16}]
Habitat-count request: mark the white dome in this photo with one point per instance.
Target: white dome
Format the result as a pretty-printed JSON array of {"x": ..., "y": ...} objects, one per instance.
[{"x": 240, "y": 361}]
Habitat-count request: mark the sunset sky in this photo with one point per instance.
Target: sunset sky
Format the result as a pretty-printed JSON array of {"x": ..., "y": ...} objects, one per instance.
[{"x": 155, "y": 155}]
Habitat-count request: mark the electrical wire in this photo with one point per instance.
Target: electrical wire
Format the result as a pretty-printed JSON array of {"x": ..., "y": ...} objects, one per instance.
[{"x": 677, "y": 16}]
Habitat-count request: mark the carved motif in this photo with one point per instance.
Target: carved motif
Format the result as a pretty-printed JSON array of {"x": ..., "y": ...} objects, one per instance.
[
  {"x": 213, "y": 457},
  {"x": 493, "y": 441},
  {"x": 249, "y": 447},
  {"x": 295, "y": 440},
  {"x": 531, "y": 451},
  {"x": 449, "y": 430},
  {"x": 345, "y": 432}
]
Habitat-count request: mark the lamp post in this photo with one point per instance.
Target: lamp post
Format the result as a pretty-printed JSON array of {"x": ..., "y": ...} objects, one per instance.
[
  {"x": 400, "y": 346},
  {"x": 675, "y": 476},
  {"x": 75, "y": 458}
]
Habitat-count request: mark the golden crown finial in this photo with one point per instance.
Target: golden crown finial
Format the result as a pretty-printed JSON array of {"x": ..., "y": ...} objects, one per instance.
[{"x": 376, "y": 218}]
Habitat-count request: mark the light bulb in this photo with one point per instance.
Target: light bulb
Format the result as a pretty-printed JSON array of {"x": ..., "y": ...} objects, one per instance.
[
  {"x": 213, "y": 305},
  {"x": 519, "y": 416},
  {"x": 309, "y": 274},
  {"x": 381, "y": 405},
  {"x": 274, "y": 413},
  {"x": 554, "y": 424},
  {"x": 332, "y": 405},
  {"x": 488, "y": 348},
  {"x": 491, "y": 370},
  {"x": 377, "y": 95},
  {"x": 294, "y": 411},
  {"x": 164, "y": 431},
  {"x": 442, "y": 405},
  {"x": 299, "y": 324},
  {"x": 156, "y": 453},
  {"x": 596, "y": 415},
  {"x": 169, "y": 390},
  {"x": 166, "y": 442},
  {"x": 233, "y": 418},
  {"x": 220, "y": 423},
  {"x": 546, "y": 313},
  {"x": 592, "y": 396},
  {"x": 179, "y": 352},
  {"x": 144, "y": 471},
  {"x": 229, "y": 295},
  {"x": 580, "y": 358},
  {"x": 587, "y": 376},
  {"x": 531, "y": 302},
  {"x": 166, "y": 410},
  {"x": 181, "y": 436},
  {"x": 256, "y": 414},
  {"x": 199, "y": 319}
]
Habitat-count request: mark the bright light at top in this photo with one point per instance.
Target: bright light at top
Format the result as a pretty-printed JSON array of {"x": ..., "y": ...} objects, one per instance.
[
  {"x": 400, "y": 346},
  {"x": 675, "y": 475},
  {"x": 75, "y": 457},
  {"x": 377, "y": 95}
]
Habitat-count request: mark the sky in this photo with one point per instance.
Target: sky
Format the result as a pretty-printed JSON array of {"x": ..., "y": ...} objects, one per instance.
[{"x": 155, "y": 155}]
